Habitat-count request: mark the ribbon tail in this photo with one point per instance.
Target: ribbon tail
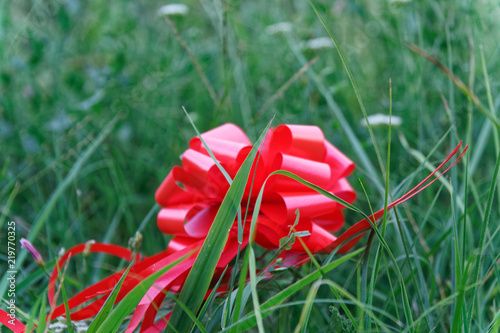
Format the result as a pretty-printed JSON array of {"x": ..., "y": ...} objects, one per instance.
[
  {"x": 11, "y": 323},
  {"x": 351, "y": 237}
]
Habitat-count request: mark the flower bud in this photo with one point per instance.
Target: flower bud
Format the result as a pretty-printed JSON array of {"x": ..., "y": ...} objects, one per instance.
[{"x": 26, "y": 244}]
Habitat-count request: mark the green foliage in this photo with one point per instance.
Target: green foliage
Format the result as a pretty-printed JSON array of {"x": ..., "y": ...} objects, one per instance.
[{"x": 91, "y": 121}]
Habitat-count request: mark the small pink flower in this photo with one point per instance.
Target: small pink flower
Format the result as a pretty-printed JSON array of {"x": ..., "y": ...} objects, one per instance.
[{"x": 31, "y": 249}]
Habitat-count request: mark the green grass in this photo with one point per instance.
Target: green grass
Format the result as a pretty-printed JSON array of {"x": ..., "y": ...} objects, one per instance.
[{"x": 91, "y": 121}]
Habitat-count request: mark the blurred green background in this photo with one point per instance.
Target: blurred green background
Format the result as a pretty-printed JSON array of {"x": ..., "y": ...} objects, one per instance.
[{"x": 69, "y": 67}]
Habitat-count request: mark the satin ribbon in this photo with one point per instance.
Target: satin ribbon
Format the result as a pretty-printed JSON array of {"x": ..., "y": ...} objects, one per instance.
[
  {"x": 191, "y": 195},
  {"x": 14, "y": 325}
]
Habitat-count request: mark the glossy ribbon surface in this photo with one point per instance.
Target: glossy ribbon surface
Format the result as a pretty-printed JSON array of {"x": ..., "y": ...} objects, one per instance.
[{"x": 191, "y": 195}]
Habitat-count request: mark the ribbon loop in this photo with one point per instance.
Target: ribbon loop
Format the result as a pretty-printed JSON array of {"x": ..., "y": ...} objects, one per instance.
[{"x": 300, "y": 140}]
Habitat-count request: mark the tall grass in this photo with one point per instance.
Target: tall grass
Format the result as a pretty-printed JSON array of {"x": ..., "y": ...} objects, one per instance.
[{"x": 73, "y": 170}]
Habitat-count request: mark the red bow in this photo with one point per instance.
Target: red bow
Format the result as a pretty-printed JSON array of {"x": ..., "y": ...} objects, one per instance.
[{"x": 188, "y": 213}]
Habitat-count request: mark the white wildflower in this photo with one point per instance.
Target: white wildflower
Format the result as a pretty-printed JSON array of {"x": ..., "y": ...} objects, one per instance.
[
  {"x": 277, "y": 28},
  {"x": 380, "y": 119},
  {"x": 61, "y": 326},
  {"x": 173, "y": 9},
  {"x": 319, "y": 43}
]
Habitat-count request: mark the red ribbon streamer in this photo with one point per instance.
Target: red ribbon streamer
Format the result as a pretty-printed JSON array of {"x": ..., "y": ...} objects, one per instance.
[
  {"x": 191, "y": 195},
  {"x": 13, "y": 324}
]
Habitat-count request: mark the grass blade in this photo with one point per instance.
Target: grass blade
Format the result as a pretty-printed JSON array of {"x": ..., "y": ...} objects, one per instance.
[
  {"x": 339, "y": 115},
  {"x": 253, "y": 284},
  {"x": 108, "y": 305},
  {"x": 239, "y": 294},
  {"x": 354, "y": 86},
  {"x": 195, "y": 63},
  {"x": 30, "y": 325},
  {"x": 463, "y": 88},
  {"x": 42, "y": 316},
  {"x": 69, "y": 325},
  {"x": 479, "y": 257},
  {"x": 211, "y": 297},
  {"x": 191, "y": 315},
  {"x": 209, "y": 151},
  {"x": 307, "y": 307}
]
